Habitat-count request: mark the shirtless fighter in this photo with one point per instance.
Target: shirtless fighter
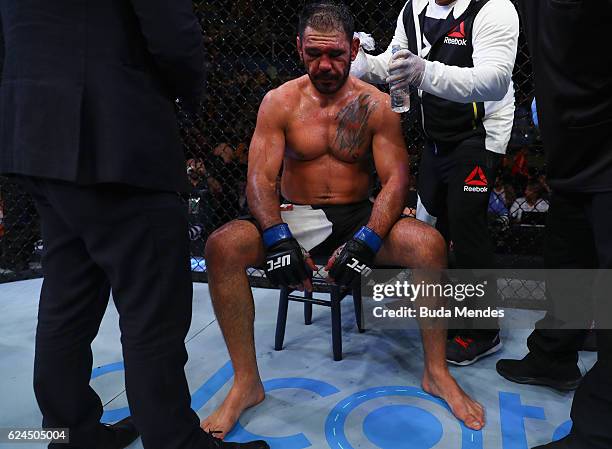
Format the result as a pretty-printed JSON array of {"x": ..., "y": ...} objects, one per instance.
[{"x": 325, "y": 129}]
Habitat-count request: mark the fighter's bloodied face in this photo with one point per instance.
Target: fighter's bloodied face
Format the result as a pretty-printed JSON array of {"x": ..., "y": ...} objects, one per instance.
[{"x": 327, "y": 57}]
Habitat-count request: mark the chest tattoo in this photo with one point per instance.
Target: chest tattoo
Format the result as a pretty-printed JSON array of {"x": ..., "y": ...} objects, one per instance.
[{"x": 352, "y": 125}]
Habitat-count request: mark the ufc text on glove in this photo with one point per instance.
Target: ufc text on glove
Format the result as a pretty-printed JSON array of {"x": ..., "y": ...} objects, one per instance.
[
  {"x": 356, "y": 257},
  {"x": 285, "y": 258}
]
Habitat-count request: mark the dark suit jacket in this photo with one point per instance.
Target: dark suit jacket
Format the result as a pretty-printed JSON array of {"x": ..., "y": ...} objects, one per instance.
[{"x": 88, "y": 89}]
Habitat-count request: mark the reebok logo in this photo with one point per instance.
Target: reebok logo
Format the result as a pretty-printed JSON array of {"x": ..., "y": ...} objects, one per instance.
[
  {"x": 476, "y": 181},
  {"x": 475, "y": 189},
  {"x": 458, "y": 31},
  {"x": 457, "y": 36},
  {"x": 461, "y": 42}
]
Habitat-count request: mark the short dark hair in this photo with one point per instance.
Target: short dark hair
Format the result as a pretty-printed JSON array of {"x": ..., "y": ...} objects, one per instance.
[{"x": 327, "y": 15}]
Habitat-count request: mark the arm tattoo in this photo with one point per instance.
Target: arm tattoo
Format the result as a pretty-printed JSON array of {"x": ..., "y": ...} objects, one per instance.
[{"x": 352, "y": 124}]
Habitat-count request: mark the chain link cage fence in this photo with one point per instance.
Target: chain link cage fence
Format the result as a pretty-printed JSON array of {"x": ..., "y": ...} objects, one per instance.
[{"x": 251, "y": 49}]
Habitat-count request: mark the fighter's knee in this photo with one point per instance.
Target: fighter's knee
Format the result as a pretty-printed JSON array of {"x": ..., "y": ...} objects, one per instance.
[
  {"x": 235, "y": 242},
  {"x": 222, "y": 243},
  {"x": 214, "y": 245},
  {"x": 431, "y": 248}
]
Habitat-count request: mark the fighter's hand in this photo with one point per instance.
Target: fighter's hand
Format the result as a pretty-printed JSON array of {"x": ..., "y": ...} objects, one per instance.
[
  {"x": 406, "y": 69},
  {"x": 286, "y": 264},
  {"x": 355, "y": 257}
]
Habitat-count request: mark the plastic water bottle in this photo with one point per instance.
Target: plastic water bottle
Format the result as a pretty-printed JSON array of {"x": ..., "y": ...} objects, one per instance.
[{"x": 400, "y": 99}]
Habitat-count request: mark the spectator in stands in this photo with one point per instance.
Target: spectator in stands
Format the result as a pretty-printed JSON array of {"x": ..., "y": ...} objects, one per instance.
[
  {"x": 509, "y": 194},
  {"x": 497, "y": 200},
  {"x": 200, "y": 225},
  {"x": 499, "y": 216},
  {"x": 196, "y": 170},
  {"x": 520, "y": 167},
  {"x": 214, "y": 168},
  {"x": 545, "y": 187},
  {"x": 533, "y": 201},
  {"x": 225, "y": 152},
  {"x": 224, "y": 183}
]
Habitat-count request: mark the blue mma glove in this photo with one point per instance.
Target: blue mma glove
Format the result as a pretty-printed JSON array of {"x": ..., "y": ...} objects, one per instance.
[
  {"x": 356, "y": 257},
  {"x": 285, "y": 258}
]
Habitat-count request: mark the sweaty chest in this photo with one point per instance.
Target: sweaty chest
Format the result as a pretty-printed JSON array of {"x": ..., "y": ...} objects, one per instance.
[{"x": 343, "y": 132}]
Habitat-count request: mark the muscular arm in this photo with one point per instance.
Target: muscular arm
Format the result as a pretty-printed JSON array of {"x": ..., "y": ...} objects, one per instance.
[
  {"x": 391, "y": 161},
  {"x": 265, "y": 159}
]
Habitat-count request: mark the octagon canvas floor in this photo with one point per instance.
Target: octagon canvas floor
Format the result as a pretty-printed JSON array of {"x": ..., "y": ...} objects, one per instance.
[{"x": 371, "y": 399}]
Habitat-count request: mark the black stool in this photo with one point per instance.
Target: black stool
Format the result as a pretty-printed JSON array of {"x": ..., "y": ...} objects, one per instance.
[{"x": 336, "y": 295}]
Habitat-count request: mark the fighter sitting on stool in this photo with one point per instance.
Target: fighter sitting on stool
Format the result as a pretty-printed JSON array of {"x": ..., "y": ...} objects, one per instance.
[{"x": 325, "y": 129}]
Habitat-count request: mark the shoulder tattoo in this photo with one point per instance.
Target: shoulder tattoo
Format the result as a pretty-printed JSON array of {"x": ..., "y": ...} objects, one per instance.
[{"x": 352, "y": 124}]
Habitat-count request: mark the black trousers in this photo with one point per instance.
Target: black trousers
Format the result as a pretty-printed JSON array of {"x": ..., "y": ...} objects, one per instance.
[
  {"x": 579, "y": 235},
  {"x": 454, "y": 186},
  {"x": 134, "y": 242}
]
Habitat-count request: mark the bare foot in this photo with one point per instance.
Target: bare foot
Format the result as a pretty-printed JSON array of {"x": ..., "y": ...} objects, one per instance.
[
  {"x": 240, "y": 398},
  {"x": 463, "y": 407}
]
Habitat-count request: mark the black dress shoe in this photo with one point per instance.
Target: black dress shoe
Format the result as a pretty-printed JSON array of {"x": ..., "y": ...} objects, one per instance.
[
  {"x": 215, "y": 443},
  {"x": 251, "y": 445},
  {"x": 123, "y": 433},
  {"x": 525, "y": 372}
]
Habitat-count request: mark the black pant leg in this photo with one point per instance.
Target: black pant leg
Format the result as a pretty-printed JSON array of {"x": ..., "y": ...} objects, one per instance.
[
  {"x": 470, "y": 180},
  {"x": 599, "y": 213},
  {"x": 431, "y": 187},
  {"x": 468, "y": 202},
  {"x": 555, "y": 349},
  {"x": 569, "y": 243},
  {"x": 140, "y": 239},
  {"x": 73, "y": 300},
  {"x": 592, "y": 405}
]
